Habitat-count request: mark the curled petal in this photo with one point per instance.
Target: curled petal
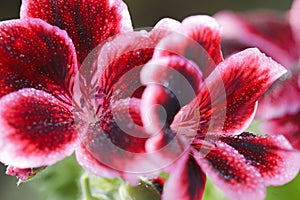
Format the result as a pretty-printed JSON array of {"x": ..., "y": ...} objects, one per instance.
[
  {"x": 36, "y": 129},
  {"x": 227, "y": 103},
  {"x": 230, "y": 172},
  {"x": 198, "y": 40},
  {"x": 22, "y": 174},
  {"x": 187, "y": 179},
  {"x": 272, "y": 156},
  {"x": 288, "y": 125},
  {"x": 34, "y": 54},
  {"x": 266, "y": 30},
  {"x": 88, "y": 23},
  {"x": 172, "y": 82}
]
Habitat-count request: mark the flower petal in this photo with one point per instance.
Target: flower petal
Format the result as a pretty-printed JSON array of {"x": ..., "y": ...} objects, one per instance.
[
  {"x": 116, "y": 65},
  {"x": 227, "y": 103},
  {"x": 34, "y": 54},
  {"x": 187, "y": 179},
  {"x": 230, "y": 172},
  {"x": 171, "y": 82},
  {"x": 272, "y": 156},
  {"x": 288, "y": 125},
  {"x": 199, "y": 40},
  {"x": 294, "y": 16},
  {"x": 88, "y": 23},
  {"x": 266, "y": 30},
  {"x": 282, "y": 97},
  {"x": 36, "y": 129},
  {"x": 117, "y": 142}
]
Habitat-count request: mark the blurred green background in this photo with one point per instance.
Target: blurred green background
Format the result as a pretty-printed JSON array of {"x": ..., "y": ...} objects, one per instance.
[{"x": 145, "y": 13}]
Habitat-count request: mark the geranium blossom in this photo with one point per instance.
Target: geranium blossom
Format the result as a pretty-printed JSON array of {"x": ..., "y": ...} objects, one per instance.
[
  {"x": 276, "y": 34},
  {"x": 64, "y": 88},
  {"x": 199, "y": 110},
  {"x": 40, "y": 55}
]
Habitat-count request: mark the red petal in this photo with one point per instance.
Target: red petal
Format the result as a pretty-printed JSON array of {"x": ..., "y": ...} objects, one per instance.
[
  {"x": 118, "y": 143},
  {"x": 88, "y": 23},
  {"x": 230, "y": 172},
  {"x": 36, "y": 129},
  {"x": 228, "y": 101},
  {"x": 198, "y": 40},
  {"x": 172, "y": 82},
  {"x": 288, "y": 125},
  {"x": 115, "y": 72},
  {"x": 186, "y": 181},
  {"x": 34, "y": 54},
  {"x": 272, "y": 156},
  {"x": 268, "y": 31}
]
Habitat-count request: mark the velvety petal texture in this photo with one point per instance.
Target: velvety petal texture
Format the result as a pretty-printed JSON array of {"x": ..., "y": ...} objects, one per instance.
[
  {"x": 36, "y": 129},
  {"x": 88, "y": 23},
  {"x": 229, "y": 171},
  {"x": 227, "y": 102},
  {"x": 34, "y": 54}
]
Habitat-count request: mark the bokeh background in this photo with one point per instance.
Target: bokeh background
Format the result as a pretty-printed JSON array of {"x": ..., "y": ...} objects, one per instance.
[{"x": 145, "y": 13}]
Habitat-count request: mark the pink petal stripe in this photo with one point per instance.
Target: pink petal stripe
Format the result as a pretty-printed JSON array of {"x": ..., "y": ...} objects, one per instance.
[
  {"x": 36, "y": 129},
  {"x": 34, "y": 54},
  {"x": 266, "y": 30},
  {"x": 88, "y": 23},
  {"x": 230, "y": 171}
]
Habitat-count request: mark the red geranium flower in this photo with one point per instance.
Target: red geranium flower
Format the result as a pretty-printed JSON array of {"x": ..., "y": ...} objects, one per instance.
[
  {"x": 210, "y": 108},
  {"x": 45, "y": 105},
  {"x": 276, "y": 34}
]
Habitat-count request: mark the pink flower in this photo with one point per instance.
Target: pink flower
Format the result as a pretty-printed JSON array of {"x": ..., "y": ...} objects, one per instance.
[
  {"x": 196, "y": 107},
  {"x": 277, "y": 35}
]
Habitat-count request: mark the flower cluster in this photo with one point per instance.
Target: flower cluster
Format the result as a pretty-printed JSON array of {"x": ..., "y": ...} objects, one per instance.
[{"x": 76, "y": 77}]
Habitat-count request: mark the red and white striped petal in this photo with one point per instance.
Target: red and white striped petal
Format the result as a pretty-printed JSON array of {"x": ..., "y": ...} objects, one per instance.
[
  {"x": 266, "y": 30},
  {"x": 36, "y": 129},
  {"x": 88, "y": 23},
  {"x": 227, "y": 103},
  {"x": 272, "y": 156},
  {"x": 172, "y": 82},
  {"x": 198, "y": 39},
  {"x": 117, "y": 142},
  {"x": 34, "y": 54},
  {"x": 115, "y": 72},
  {"x": 287, "y": 125},
  {"x": 230, "y": 171},
  {"x": 186, "y": 181}
]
